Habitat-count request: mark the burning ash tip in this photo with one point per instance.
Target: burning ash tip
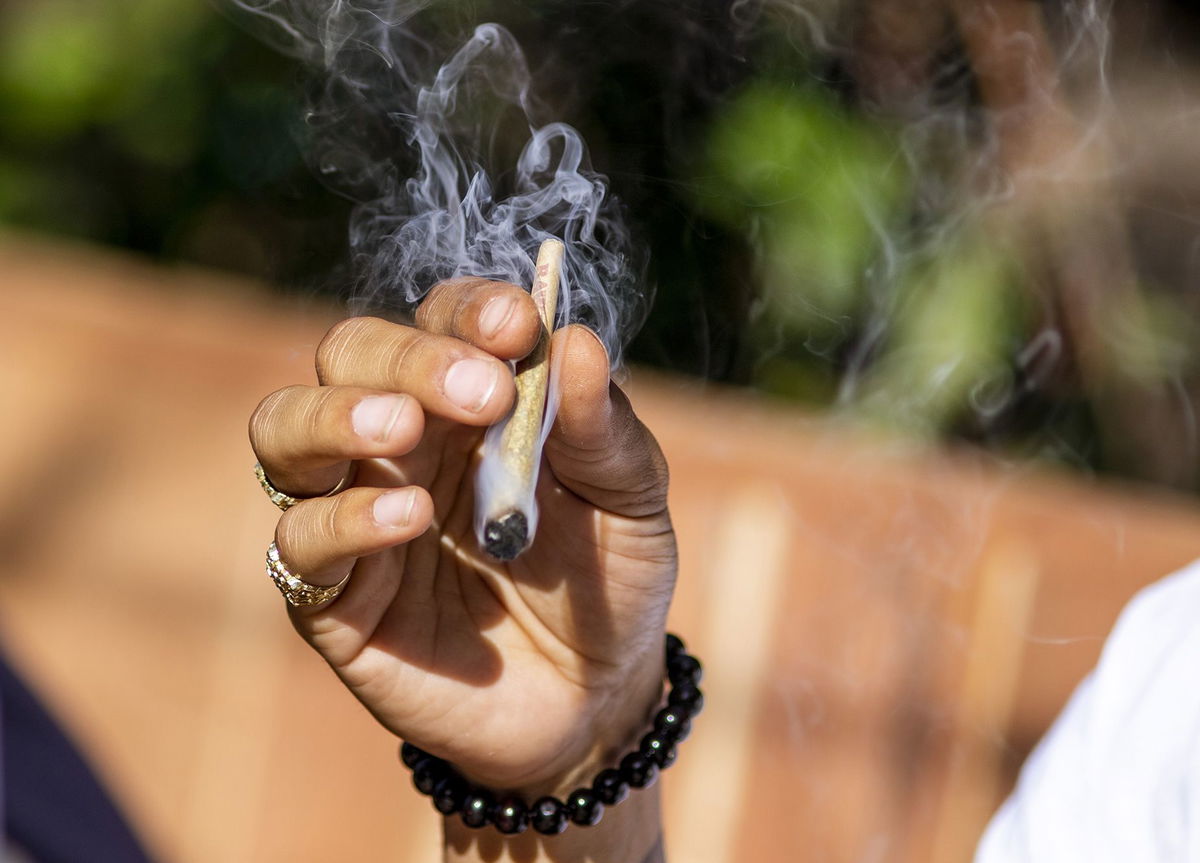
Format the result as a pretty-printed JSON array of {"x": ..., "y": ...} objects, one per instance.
[{"x": 505, "y": 537}]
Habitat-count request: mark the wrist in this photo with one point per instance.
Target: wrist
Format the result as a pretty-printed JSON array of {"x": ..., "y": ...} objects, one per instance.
[
  {"x": 628, "y": 832},
  {"x": 632, "y": 832},
  {"x": 611, "y": 726}
]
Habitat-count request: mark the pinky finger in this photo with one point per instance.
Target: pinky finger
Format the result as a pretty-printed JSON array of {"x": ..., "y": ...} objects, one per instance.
[{"x": 320, "y": 539}]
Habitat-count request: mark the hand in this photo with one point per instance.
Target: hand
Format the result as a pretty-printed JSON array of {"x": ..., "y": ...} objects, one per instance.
[{"x": 527, "y": 676}]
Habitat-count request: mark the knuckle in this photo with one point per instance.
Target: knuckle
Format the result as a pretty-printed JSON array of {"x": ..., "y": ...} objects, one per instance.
[
  {"x": 313, "y": 530},
  {"x": 659, "y": 489},
  {"x": 649, "y": 477},
  {"x": 333, "y": 522},
  {"x": 334, "y": 346},
  {"x": 463, "y": 318},
  {"x": 408, "y": 354},
  {"x": 650, "y": 488},
  {"x": 264, "y": 420},
  {"x": 657, "y": 472},
  {"x": 431, "y": 308},
  {"x": 449, "y": 306},
  {"x": 318, "y": 418},
  {"x": 287, "y": 538},
  {"x": 660, "y": 473}
]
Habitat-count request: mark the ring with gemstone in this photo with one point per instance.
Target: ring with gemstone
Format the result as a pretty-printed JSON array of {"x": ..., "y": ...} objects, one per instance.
[{"x": 296, "y": 590}]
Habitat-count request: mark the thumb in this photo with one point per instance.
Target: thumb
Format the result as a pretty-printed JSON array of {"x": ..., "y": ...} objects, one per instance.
[{"x": 598, "y": 448}]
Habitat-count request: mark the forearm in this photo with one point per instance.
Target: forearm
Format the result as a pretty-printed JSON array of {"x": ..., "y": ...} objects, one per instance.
[{"x": 630, "y": 831}]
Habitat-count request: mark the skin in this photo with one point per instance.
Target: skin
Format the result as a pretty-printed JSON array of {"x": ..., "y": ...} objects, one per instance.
[{"x": 530, "y": 676}]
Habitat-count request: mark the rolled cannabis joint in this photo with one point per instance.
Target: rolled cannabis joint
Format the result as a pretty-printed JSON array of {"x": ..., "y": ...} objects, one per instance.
[{"x": 505, "y": 504}]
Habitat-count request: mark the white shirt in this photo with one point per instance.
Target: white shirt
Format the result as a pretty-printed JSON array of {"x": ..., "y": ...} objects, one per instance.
[{"x": 1117, "y": 778}]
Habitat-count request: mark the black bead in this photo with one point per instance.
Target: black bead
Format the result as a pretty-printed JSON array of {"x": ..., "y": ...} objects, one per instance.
[
  {"x": 510, "y": 816},
  {"x": 658, "y": 749},
  {"x": 410, "y": 755},
  {"x": 584, "y": 807},
  {"x": 449, "y": 794},
  {"x": 638, "y": 770},
  {"x": 674, "y": 645},
  {"x": 548, "y": 816},
  {"x": 610, "y": 787},
  {"x": 673, "y": 722},
  {"x": 477, "y": 808},
  {"x": 689, "y": 697},
  {"x": 428, "y": 773},
  {"x": 683, "y": 669}
]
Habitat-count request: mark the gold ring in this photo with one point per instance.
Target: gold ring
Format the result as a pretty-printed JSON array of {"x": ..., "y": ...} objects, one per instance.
[
  {"x": 296, "y": 590},
  {"x": 285, "y": 501}
]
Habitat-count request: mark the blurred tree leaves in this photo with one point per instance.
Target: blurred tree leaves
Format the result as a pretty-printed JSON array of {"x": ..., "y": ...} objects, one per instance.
[
  {"x": 134, "y": 122},
  {"x": 950, "y": 341},
  {"x": 793, "y": 247},
  {"x": 56, "y": 62},
  {"x": 65, "y": 64},
  {"x": 812, "y": 187}
]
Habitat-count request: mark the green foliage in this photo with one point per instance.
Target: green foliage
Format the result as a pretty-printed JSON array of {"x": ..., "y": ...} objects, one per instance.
[
  {"x": 949, "y": 339},
  {"x": 811, "y": 187},
  {"x": 133, "y": 121},
  {"x": 820, "y": 194},
  {"x": 57, "y": 62},
  {"x": 65, "y": 64},
  {"x": 791, "y": 246},
  {"x": 1149, "y": 336}
]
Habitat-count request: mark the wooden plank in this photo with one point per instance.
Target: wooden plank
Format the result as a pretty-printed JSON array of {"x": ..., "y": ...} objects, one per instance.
[{"x": 828, "y": 580}]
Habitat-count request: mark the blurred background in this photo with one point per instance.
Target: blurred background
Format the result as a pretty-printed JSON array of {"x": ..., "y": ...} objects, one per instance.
[{"x": 923, "y": 354}]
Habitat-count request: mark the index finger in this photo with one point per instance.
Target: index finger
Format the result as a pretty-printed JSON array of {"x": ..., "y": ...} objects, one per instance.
[{"x": 497, "y": 317}]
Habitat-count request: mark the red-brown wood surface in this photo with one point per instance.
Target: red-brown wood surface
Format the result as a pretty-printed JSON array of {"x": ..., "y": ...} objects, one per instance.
[{"x": 887, "y": 628}]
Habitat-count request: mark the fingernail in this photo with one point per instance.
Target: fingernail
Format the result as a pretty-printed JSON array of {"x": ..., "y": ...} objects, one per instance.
[
  {"x": 375, "y": 416},
  {"x": 495, "y": 315},
  {"x": 394, "y": 509},
  {"x": 470, "y": 383}
]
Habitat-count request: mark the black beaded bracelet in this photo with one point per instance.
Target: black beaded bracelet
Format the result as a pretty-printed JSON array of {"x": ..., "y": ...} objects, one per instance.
[{"x": 479, "y": 807}]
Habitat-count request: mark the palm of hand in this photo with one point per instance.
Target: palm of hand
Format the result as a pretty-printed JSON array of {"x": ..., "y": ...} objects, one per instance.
[{"x": 456, "y": 652}]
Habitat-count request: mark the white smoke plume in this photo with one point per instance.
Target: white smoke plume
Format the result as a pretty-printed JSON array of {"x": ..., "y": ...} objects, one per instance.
[
  {"x": 423, "y": 145},
  {"x": 420, "y": 135}
]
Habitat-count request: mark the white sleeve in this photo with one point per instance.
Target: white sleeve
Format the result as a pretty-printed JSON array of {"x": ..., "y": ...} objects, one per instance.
[{"x": 1117, "y": 778}]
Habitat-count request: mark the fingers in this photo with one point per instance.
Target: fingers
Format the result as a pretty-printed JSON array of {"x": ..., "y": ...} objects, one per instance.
[
  {"x": 384, "y": 377},
  {"x": 494, "y": 316},
  {"x": 305, "y": 437},
  {"x": 319, "y": 540},
  {"x": 451, "y": 362},
  {"x": 447, "y": 376},
  {"x": 598, "y": 448}
]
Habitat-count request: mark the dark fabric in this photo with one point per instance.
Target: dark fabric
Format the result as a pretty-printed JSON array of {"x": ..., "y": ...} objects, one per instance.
[{"x": 55, "y": 808}]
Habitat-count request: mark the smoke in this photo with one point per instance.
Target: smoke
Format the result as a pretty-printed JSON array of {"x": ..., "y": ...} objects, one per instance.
[
  {"x": 419, "y": 134},
  {"x": 972, "y": 133},
  {"x": 995, "y": 117}
]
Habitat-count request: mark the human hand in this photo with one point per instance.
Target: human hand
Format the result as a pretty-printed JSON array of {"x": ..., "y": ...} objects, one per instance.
[{"x": 528, "y": 676}]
